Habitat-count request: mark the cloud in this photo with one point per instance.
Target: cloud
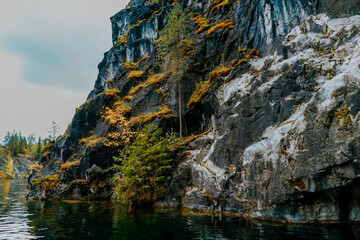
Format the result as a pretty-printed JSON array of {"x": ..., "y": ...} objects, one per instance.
[
  {"x": 30, "y": 108},
  {"x": 62, "y": 42},
  {"x": 49, "y": 52},
  {"x": 57, "y": 61}
]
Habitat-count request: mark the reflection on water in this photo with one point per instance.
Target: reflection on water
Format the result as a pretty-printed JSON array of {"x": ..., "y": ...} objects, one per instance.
[
  {"x": 80, "y": 220},
  {"x": 14, "y": 221}
]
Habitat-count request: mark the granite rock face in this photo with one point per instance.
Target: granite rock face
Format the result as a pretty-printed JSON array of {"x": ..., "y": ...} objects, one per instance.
[
  {"x": 14, "y": 167},
  {"x": 282, "y": 128},
  {"x": 259, "y": 24},
  {"x": 285, "y": 146}
]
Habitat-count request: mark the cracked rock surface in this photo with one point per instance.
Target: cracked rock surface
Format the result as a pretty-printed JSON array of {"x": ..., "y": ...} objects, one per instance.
[{"x": 282, "y": 128}]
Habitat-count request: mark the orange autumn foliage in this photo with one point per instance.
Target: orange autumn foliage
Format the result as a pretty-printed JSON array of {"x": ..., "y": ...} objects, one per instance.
[
  {"x": 227, "y": 24},
  {"x": 123, "y": 133}
]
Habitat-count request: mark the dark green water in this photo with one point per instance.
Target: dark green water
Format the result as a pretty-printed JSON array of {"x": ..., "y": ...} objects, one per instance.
[{"x": 20, "y": 219}]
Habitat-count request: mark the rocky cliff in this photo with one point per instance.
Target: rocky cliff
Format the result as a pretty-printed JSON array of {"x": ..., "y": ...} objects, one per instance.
[
  {"x": 275, "y": 132},
  {"x": 14, "y": 167}
]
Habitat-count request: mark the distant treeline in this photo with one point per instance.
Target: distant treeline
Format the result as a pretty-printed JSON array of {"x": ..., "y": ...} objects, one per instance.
[{"x": 18, "y": 144}]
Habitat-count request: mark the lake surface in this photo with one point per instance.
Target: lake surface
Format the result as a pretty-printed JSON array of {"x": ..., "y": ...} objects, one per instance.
[{"x": 21, "y": 219}]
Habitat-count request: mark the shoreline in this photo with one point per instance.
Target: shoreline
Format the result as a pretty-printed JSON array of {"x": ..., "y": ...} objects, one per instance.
[
  {"x": 261, "y": 219},
  {"x": 211, "y": 212}
]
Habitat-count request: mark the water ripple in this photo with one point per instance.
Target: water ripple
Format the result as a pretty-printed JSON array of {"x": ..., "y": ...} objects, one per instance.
[
  {"x": 100, "y": 220},
  {"x": 14, "y": 221}
]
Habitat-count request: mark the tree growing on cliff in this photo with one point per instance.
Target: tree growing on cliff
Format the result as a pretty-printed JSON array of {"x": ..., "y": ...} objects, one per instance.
[
  {"x": 175, "y": 49},
  {"x": 53, "y": 131},
  {"x": 11, "y": 142},
  {"x": 147, "y": 166},
  {"x": 39, "y": 149}
]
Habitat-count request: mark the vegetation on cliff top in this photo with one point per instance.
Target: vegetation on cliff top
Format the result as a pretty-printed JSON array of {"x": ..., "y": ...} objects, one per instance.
[{"x": 18, "y": 144}]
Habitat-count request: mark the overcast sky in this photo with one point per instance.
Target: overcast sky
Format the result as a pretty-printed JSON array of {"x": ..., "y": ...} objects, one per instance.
[{"x": 49, "y": 52}]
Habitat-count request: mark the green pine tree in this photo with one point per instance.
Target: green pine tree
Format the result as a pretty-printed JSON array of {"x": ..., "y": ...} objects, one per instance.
[
  {"x": 147, "y": 165},
  {"x": 39, "y": 149},
  {"x": 175, "y": 48},
  {"x": 22, "y": 144},
  {"x": 31, "y": 143}
]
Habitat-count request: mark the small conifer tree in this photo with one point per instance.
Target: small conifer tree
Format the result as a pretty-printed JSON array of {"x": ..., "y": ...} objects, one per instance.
[
  {"x": 176, "y": 45},
  {"x": 39, "y": 149},
  {"x": 147, "y": 166}
]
